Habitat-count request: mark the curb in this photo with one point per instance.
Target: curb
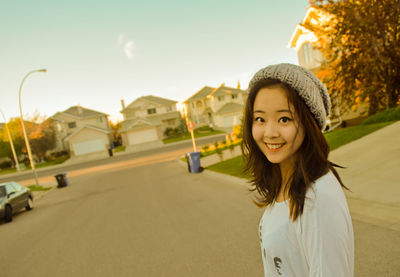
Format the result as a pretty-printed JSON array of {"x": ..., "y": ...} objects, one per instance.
[{"x": 39, "y": 194}]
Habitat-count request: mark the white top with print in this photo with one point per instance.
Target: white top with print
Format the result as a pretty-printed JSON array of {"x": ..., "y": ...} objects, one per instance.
[{"x": 319, "y": 243}]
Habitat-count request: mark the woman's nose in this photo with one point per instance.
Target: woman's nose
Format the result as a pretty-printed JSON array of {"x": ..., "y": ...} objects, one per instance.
[{"x": 271, "y": 130}]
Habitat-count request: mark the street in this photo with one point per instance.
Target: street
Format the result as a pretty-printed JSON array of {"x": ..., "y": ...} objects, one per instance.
[
  {"x": 153, "y": 220},
  {"x": 157, "y": 220},
  {"x": 183, "y": 146}
]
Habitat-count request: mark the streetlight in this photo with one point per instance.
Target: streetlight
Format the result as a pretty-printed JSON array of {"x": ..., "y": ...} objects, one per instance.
[
  {"x": 28, "y": 147},
  {"x": 11, "y": 142}
]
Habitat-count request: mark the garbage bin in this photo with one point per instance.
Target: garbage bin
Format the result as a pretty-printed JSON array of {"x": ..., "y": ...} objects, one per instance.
[
  {"x": 193, "y": 160},
  {"x": 62, "y": 180},
  {"x": 110, "y": 152}
]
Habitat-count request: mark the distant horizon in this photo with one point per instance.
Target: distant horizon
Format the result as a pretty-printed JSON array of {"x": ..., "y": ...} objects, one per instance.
[{"x": 99, "y": 53}]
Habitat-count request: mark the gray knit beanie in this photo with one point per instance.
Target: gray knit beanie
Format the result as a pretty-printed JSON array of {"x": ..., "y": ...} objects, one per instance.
[{"x": 308, "y": 87}]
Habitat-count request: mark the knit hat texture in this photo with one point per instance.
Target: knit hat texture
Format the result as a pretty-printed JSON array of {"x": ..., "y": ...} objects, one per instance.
[{"x": 309, "y": 88}]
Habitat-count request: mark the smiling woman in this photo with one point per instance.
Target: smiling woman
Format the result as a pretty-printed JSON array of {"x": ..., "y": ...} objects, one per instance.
[
  {"x": 306, "y": 229},
  {"x": 275, "y": 128}
]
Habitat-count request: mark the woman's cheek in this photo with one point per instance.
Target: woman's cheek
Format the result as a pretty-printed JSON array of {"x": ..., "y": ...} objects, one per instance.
[{"x": 257, "y": 131}]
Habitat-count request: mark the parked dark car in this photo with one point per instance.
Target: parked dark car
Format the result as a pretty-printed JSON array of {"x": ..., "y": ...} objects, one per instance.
[{"x": 14, "y": 197}]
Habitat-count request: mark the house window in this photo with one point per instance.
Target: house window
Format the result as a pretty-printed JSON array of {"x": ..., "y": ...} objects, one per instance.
[
  {"x": 169, "y": 108},
  {"x": 221, "y": 98},
  {"x": 72, "y": 124},
  {"x": 100, "y": 119},
  {"x": 234, "y": 96},
  {"x": 151, "y": 111}
]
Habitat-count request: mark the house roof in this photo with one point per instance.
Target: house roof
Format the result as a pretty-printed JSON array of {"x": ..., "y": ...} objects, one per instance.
[
  {"x": 200, "y": 94},
  {"x": 152, "y": 99},
  {"x": 222, "y": 90},
  {"x": 162, "y": 116},
  {"x": 208, "y": 91},
  {"x": 79, "y": 112},
  {"x": 230, "y": 108},
  {"x": 138, "y": 123},
  {"x": 85, "y": 127},
  {"x": 313, "y": 16}
]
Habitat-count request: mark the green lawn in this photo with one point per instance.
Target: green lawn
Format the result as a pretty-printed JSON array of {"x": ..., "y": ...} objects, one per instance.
[
  {"x": 200, "y": 132},
  {"x": 38, "y": 188},
  {"x": 231, "y": 167},
  {"x": 340, "y": 137},
  {"x": 119, "y": 149},
  {"x": 335, "y": 139},
  {"x": 57, "y": 160}
]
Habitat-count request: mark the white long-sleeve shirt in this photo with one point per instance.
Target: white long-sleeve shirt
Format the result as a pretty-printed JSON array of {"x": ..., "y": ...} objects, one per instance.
[{"x": 319, "y": 243}]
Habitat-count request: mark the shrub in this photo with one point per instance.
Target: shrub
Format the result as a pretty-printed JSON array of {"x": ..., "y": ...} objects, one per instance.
[
  {"x": 205, "y": 147},
  {"x": 5, "y": 164}
]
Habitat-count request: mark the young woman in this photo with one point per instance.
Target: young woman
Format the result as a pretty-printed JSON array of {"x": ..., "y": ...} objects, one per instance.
[{"x": 306, "y": 229}]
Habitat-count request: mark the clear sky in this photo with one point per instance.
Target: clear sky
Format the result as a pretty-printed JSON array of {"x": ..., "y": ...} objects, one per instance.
[{"x": 99, "y": 52}]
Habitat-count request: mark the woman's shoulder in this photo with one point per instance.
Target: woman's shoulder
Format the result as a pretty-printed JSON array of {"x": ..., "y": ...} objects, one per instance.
[{"x": 325, "y": 189}]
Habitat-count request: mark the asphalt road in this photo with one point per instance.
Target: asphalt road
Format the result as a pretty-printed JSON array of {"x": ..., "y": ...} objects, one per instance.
[
  {"x": 110, "y": 160},
  {"x": 156, "y": 220},
  {"x": 153, "y": 218}
]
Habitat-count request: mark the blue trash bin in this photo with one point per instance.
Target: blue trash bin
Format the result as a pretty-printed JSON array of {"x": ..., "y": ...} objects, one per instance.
[
  {"x": 193, "y": 159},
  {"x": 62, "y": 180}
]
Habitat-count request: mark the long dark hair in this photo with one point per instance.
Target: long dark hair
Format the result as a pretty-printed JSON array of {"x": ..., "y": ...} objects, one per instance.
[{"x": 311, "y": 158}]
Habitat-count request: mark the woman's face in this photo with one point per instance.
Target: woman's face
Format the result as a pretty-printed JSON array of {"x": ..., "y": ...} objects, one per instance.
[{"x": 275, "y": 128}]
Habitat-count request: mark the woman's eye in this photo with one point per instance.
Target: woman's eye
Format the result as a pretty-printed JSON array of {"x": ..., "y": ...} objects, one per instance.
[
  {"x": 284, "y": 119},
  {"x": 258, "y": 119}
]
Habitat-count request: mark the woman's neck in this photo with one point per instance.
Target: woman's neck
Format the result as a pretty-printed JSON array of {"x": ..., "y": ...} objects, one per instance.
[{"x": 286, "y": 174}]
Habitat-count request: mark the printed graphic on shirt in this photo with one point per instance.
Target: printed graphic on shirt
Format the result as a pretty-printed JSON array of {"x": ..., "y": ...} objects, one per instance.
[{"x": 278, "y": 262}]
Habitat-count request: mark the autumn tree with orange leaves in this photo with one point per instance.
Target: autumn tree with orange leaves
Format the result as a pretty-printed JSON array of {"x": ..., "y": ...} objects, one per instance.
[
  {"x": 361, "y": 46},
  {"x": 40, "y": 132}
]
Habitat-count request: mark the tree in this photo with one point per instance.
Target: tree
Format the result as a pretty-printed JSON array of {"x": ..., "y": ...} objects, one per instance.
[
  {"x": 14, "y": 126},
  {"x": 115, "y": 127},
  {"x": 40, "y": 132},
  {"x": 42, "y": 138},
  {"x": 361, "y": 46}
]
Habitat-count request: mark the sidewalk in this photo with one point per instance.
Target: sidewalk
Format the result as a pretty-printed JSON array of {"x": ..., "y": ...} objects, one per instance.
[{"x": 372, "y": 173}]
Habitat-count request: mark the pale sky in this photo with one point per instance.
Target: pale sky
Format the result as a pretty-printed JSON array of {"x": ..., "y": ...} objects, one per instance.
[{"x": 99, "y": 52}]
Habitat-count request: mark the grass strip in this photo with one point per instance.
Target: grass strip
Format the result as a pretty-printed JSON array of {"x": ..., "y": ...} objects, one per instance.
[
  {"x": 38, "y": 188},
  {"x": 197, "y": 134}
]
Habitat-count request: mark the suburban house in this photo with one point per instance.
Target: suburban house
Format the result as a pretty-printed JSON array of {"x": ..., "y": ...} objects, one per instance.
[
  {"x": 221, "y": 107},
  {"x": 146, "y": 119},
  {"x": 302, "y": 41},
  {"x": 82, "y": 131}
]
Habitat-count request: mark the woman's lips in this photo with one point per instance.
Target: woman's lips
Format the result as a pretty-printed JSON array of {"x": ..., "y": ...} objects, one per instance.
[{"x": 274, "y": 147}]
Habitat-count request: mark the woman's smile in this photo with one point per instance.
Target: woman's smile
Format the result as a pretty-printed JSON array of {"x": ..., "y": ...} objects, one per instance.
[{"x": 274, "y": 147}]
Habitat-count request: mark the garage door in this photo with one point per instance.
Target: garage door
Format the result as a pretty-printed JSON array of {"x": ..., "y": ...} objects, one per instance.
[
  {"x": 136, "y": 137},
  {"x": 90, "y": 146},
  {"x": 228, "y": 121}
]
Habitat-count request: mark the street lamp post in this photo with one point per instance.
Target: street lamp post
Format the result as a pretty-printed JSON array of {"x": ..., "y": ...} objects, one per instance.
[
  {"x": 11, "y": 142},
  {"x": 28, "y": 147}
]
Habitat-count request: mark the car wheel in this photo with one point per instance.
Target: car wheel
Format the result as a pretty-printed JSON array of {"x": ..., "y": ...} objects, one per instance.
[
  {"x": 8, "y": 214},
  {"x": 29, "y": 206}
]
